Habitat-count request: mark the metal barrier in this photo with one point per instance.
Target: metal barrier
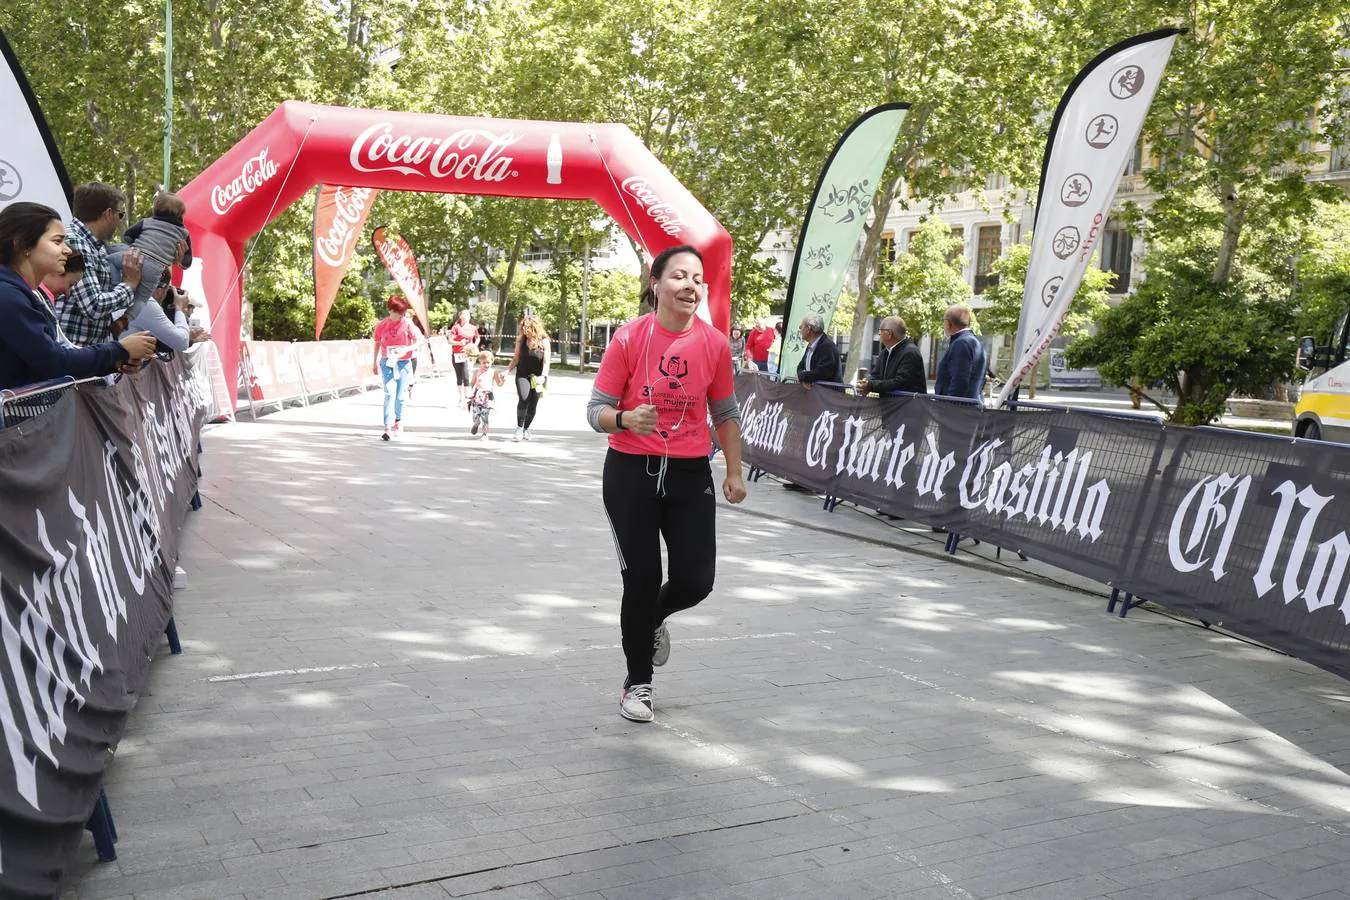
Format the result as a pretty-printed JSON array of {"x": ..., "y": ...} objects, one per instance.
[
  {"x": 1153, "y": 418},
  {"x": 23, "y": 403}
]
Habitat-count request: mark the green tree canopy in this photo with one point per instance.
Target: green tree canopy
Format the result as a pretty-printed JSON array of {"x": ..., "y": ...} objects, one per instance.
[{"x": 921, "y": 284}]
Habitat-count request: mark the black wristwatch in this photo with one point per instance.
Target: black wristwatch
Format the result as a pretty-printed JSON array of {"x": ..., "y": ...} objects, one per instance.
[{"x": 618, "y": 420}]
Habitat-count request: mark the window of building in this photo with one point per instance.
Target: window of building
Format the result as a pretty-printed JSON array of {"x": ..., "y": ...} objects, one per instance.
[
  {"x": 990, "y": 245},
  {"x": 1136, "y": 162},
  {"x": 1340, "y": 157},
  {"x": 886, "y": 252},
  {"x": 1117, "y": 248},
  {"x": 995, "y": 182},
  {"x": 958, "y": 252}
]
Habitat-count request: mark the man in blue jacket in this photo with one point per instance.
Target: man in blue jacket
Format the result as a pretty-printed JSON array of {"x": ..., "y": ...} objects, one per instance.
[{"x": 961, "y": 371}]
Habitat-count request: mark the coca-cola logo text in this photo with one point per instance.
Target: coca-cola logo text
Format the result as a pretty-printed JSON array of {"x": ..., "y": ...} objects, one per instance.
[
  {"x": 350, "y": 206},
  {"x": 254, "y": 174},
  {"x": 468, "y": 153},
  {"x": 666, "y": 216}
]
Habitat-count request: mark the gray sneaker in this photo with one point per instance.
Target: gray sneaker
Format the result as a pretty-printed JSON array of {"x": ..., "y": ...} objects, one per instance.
[
  {"x": 661, "y": 648},
  {"x": 636, "y": 703}
]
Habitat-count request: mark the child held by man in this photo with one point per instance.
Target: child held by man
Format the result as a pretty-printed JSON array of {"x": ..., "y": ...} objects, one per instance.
[{"x": 158, "y": 239}]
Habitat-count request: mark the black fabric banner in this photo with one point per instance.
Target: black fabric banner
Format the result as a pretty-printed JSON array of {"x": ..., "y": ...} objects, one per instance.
[
  {"x": 95, "y": 492},
  {"x": 1236, "y": 529}
]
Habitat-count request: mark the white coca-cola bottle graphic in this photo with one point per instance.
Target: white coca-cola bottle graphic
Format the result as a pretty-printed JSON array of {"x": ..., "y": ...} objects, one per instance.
[{"x": 554, "y": 159}]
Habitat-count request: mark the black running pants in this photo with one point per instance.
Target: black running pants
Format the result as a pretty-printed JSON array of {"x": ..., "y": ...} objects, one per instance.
[
  {"x": 644, "y": 508},
  {"x": 529, "y": 402}
]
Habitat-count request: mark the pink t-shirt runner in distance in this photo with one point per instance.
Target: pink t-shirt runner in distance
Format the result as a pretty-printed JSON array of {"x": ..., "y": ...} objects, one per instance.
[
  {"x": 677, "y": 372},
  {"x": 397, "y": 336}
]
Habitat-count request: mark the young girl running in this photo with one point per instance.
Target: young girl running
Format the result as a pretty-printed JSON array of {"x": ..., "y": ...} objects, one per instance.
[{"x": 481, "y": 396}]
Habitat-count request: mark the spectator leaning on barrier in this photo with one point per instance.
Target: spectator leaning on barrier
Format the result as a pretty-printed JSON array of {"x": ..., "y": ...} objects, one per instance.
[
  {"x": 820, "y": 362},
  {"x": 899, "y": 365},
  {"x": 33, "y": 248},
  {"x": 737, "y": 344},
  {"x": 962, "y": 369},
  {"x": 86, "y": 313},
  {"x": 150, "y": 315}
]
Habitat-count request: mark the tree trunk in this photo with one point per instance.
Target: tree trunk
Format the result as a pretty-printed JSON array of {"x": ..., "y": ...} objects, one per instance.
[
  {"x": 868, "y": 262},
  {"x": 353, "y": 22},
  {"x": 562, "y": 314},
  {"x": 504, "y": 289},
  {"x": 644, "y": 272},
  {"x": 1232, "y": 230}
]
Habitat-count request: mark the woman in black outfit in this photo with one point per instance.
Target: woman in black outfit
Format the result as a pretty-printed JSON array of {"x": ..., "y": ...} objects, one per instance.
[{"x": 530, "y": 365}]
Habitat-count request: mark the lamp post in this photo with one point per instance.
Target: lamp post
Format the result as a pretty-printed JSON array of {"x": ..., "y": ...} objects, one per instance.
[
  {"x": 585, "y": 298},
  {"x": 168, "y": 91}
]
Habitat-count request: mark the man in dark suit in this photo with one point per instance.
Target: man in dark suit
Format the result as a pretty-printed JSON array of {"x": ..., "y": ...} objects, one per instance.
[
  {"x": 961, "y": 371},
  {"x": 820, "y": 362},
  {"x": 899, "y": 365}
]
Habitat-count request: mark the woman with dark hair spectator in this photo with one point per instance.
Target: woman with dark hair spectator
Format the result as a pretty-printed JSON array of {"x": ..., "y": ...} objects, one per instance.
[
  {"x": 463, "y": 334},
  {"x": 530, "y": 364},
  {"x": 737, "y": 344},
  {"x": 32, "y": 249},
  {"x": 395, "y": 341},
  {"x": 662, "y": 377}
]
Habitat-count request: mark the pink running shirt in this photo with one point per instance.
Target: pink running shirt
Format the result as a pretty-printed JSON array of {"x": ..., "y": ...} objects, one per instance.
[
  {"x": 397, "y": 335},
  {"x": 677, "y": 372}
]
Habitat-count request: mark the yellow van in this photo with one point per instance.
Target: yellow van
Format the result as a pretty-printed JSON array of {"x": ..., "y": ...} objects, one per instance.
[{"x": 1323, "y": 408}]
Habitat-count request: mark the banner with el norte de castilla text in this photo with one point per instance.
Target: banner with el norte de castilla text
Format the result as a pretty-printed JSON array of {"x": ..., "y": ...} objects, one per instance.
[
  {"x": 339, "y": 215},
  {"x": 1248, "y": 531},
  {"x": 97, "y": 488},
  {"x": 834, "y": 222},
  {"x": 30, "y": 165},
  {"x": 1092, "y": 137},
  {"x": 399, "y": 259}
]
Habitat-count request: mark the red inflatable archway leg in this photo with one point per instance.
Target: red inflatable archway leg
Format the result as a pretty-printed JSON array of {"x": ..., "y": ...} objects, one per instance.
[
  {"x": 221, "y": 266},
  {"x": 301, "y": 145}
]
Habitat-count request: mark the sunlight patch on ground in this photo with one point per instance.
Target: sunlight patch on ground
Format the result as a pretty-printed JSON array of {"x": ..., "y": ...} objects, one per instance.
[
  {"x": 499, "y": 640},
  {"x": 256, "y": 563},
  {"x": 829, "y": 766},
  {"x": 1029, "y": 624},
  {"x": 917, "y": 784},
  {"x": 410, "y": 637},
  {"x": 553, "y": 601},
  {"x": 914, "y": 625},
  {"x": 1096, "y": 687},
  {"x": 1135, "y": 796}
]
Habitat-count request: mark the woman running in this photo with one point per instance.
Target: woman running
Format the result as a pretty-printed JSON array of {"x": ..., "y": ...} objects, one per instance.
[
  {"x": 395, "y": 341},
  {"x": 661, "y": 377},
  {"x": 463, "y": 335},
  {"x": 530, "y": 365}
]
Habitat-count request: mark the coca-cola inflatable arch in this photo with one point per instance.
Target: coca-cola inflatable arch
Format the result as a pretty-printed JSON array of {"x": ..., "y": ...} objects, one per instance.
[{"x": 301, "y": 145}]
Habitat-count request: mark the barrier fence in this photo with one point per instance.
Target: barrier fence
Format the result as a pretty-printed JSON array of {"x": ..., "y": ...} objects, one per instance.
[
  {"x": 97, "y": 488},
  {"x": 275, "y": 373},
  {"x": 1243, "y": 530}
]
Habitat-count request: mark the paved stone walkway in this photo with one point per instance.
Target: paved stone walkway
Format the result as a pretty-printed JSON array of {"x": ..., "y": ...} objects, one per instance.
[{"x": 402, "y": 669}]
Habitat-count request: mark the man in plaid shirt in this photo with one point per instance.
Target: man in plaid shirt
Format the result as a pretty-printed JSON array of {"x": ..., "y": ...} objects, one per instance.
[{"x": 86, "y": 312}]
